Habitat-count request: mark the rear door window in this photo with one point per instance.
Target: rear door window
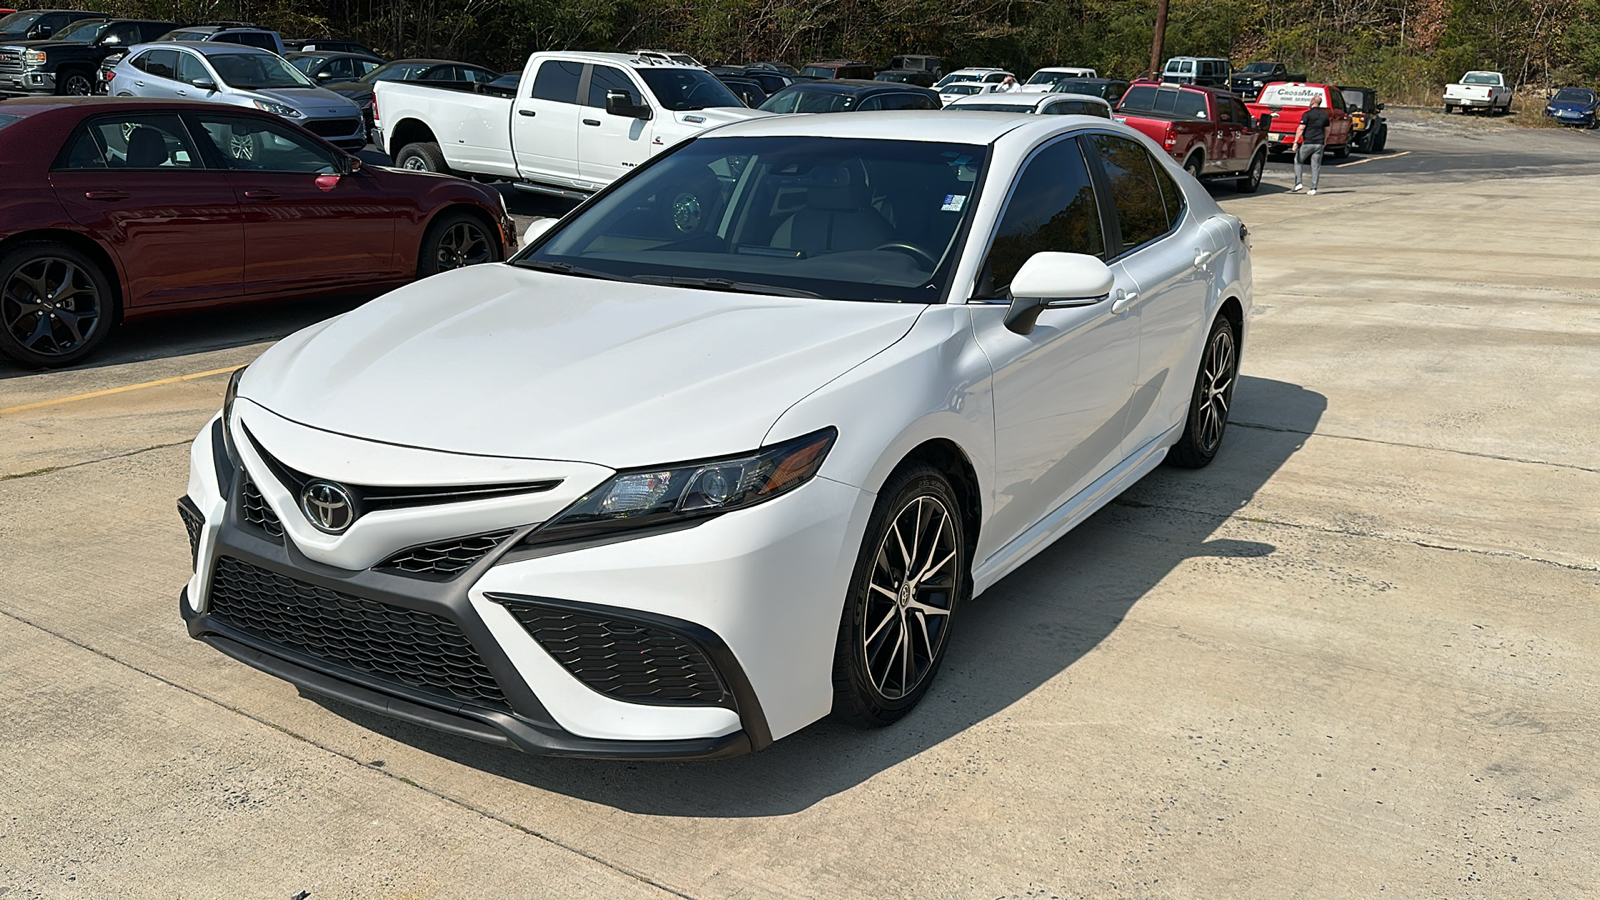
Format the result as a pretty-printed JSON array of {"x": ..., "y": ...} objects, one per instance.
[
  {"x": 557, "y": 80},
  {"x": 159, "y": 63},
  {"x": 1135, "y": 191},
  {"x": 1190, "y": 104},
  {"x": 190, "y": 69},
  {"x": 136, "y": 141},
  {"x": 258, "y": 145},
  {"x": 1052, "y": 207}
]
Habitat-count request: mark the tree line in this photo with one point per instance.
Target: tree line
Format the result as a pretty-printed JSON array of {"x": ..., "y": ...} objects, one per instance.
[{"x": 1405, "y": 48}]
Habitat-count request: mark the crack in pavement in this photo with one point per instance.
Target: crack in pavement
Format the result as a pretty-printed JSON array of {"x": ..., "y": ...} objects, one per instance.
[
  {"x": 455, "y": 801},
  {"x": 1366, "y": 440},
  {"x": 1345, "y": 532},
  {"x": 89, "y": 462}
]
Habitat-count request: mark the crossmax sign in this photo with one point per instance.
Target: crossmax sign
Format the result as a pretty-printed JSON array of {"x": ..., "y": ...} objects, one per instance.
[{"x": 1292, "y": 95}]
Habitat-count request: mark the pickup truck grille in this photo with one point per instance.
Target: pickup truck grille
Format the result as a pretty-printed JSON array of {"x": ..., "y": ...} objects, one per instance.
[{"x": 10, "y": 61}]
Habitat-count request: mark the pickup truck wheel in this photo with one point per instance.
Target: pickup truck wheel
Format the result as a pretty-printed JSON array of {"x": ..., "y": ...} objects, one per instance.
[
  {"x": 421, "y": 157},
  {"x": 456, "y": 240},
  {"x": 1252, "y": 176},
  {"x": 56, "y": 305},
  {"x": 1449, "y": 108},
  {"x": 1194, "y": 164},
  {"x": 74, "y": 84}
]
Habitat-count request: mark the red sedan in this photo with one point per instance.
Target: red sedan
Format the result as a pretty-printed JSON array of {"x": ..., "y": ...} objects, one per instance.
[{"x": 113, "y": 208}]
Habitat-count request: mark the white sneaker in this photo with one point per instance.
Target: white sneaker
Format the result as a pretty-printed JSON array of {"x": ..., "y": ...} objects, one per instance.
[
  {"x": 1297, "y": 189},
  {"x": 1311, "y": 193}
]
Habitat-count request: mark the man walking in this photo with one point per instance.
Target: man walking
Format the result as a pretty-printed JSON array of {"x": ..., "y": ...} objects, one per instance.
[{"x": 1310, "y": 140}]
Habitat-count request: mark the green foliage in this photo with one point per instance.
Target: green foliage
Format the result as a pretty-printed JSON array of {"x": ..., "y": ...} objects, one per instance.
[{"x": 1404, "y": 48}]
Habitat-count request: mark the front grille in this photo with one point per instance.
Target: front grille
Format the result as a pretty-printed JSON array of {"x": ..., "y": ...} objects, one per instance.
[
  {"x": 333, "y": 127},
  {"x": 626, "y": 660},
  {"x": 193, "y": 522},
  {"x": 10, "y": 61},
  {"x": 417, "y": 649},
  {"x": 255, "y": 511},
  {"x": 444, "y": 560}
]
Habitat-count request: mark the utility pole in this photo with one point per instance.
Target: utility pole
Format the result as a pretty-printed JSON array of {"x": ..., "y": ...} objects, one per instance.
[{"x": 1159, "y": 40}]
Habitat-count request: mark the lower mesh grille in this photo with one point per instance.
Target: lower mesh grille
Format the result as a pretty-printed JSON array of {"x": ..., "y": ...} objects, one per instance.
[
  {"x": 193, "y": 522},
  {"x": 626, "y": 660},
  {"x": 417, "y": 649},
  {"x": 443, "y": 560},
  {"x": 255, "y": 511},
  {"x": 332, "y": 127}
]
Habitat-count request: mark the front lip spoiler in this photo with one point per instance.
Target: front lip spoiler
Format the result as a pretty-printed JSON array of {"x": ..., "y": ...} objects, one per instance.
[{"x": 465, "y": 720}]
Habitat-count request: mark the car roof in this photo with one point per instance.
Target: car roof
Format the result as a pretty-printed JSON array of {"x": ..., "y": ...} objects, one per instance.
[
  {"x": 330, "y": 53},
  {"x": 1022, "y": 101},
  {"x": 906, "y": 125},
  {"x": 204, "y": 48},
  {"x": 424, "y": 62},
  {"x": 44, "y": 103},
  {"x": 854, "y": 86},
  {"x": 621, "y": 59}
]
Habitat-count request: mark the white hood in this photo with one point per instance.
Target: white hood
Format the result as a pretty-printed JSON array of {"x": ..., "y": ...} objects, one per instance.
[{"x": 501, "y": 361}]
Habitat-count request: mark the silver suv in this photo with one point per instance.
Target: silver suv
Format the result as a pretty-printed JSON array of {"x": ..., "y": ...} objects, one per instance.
[{"x": 260, "y": 38}]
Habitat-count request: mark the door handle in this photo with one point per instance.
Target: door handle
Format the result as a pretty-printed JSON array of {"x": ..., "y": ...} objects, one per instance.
[
  {"x": 139, "y": 83},
  {"x": 1124, "y": 300},
  {"x": 105, "y": 195},
  {"x": 591, "y": 121},
  {"x": 182, "y": 93},
  {"x": 261, "y": 195},
  {"x": 526, "y": 112}
]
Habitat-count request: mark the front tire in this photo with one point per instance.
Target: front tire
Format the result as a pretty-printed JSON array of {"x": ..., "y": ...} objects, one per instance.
[
  {"x": 910, "y": 577},
  {"x": 423, "y": 156},
  {"x": 1211, "y": 401},
  {"x": 74, "y": 84},
  {"x": 1382, "y": 140},
  {"x": 455, "y": 240},
  {"x": 56, "y": 305}
]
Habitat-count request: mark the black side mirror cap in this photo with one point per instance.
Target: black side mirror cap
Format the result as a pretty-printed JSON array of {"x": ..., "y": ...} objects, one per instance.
[{"x": 618, "y": 103}]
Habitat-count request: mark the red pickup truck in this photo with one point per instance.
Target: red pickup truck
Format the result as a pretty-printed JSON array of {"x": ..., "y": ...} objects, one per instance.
[
  {"x": 1208, "y": 130},
  {"x": 1285, "y": 102}
]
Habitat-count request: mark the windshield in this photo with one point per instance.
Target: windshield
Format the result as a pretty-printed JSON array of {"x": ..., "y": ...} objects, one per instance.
[
  {"x": 1574, "y": 95},
  {"x": 254, "y": 71},
  {"x": 685, "y": 89},
  {"x": 1043, "y": 77},
  {"x": 1354, "y": 98},
  {"x": 840, "y": 218},
  {"x": 1072, "y": 86},
  {"x": 963, "y": 89},
  {"x": 800, "y": 100},
  {"x": 994, "y": 107},
  {"x": 1481, "y": 78},
  {"x": 957, "y": 78},
  {"x": 397, "y": 71},
  {"x": 81, "y": 32},
  {"x": 1259, "y": 68},
  {"x": 307, "y": 63}
]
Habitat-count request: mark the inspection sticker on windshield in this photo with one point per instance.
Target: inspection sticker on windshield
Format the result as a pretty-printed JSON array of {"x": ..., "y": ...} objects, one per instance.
[{"x": 953, "y": 202}]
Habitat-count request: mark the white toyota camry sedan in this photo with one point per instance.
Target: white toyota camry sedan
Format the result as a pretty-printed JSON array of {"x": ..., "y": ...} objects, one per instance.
[{"x": 729, "y": 448}]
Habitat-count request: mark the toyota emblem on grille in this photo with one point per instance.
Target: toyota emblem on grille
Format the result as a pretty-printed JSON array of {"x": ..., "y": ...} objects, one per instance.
[{"x": 328, "y": 506}]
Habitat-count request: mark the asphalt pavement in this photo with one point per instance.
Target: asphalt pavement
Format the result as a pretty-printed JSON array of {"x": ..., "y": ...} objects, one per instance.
[{"x": 1357, "y": 656}]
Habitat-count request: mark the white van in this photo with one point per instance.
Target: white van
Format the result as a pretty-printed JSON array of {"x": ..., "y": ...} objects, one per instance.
[{"x": 1202, "y": 70}]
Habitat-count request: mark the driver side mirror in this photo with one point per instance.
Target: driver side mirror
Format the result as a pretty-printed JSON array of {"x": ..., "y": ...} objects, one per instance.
[
  {"x": 40, "y": 33},
  {"x": 1380, "y": 107},
  {"x": 536, "y": 228},
  {"x": 324, "y": 75},
  {"x": 618, "y": 103},
  {"x": 352, "y": 165},
  {"x": 1264, "y": 121},
  {"x": 1051, "y": 280},
  {"x": 204, "y": 84}
]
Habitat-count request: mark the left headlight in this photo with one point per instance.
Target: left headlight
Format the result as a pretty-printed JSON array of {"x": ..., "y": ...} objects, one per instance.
[
  {"x": 230, "y": 395},
  {"x": 34, "y": 57},
  {"x": 663, "y": 495},
  {"x": 277, "y": 109}
]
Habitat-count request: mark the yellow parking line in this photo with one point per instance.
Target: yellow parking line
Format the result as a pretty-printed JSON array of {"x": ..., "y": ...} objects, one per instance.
[
  {"x": 1346, "y": 165},
  {"x": 118, "y": 390}
]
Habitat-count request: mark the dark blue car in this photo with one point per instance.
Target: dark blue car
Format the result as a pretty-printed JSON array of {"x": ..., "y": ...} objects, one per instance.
[{"x": 1574, "y": 106}]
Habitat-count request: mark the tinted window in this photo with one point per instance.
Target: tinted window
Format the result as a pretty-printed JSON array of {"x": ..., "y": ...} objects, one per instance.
[
  {"x": 686, "y": 89},
  {"x": 557, "y": 80},
  {"x": 607, "y": 78},
  {"x": 255, "y": 145},
  {"x": 1135, "y": 193},
  {"x": 477, "y": 76},
  {"x": 254, "y": 71},
  {"x": 249, "y": 39},
  {"x": 7, "y": 120},
  {"x": 363, "y": 66},
  {"x": 190, "y": 69},
  {"x": 160, "y": 63},
  {"x": 133, "y": 142},
  {"x": 1171, "y": 197},
  {"x": 1191, "y": 104},
  {"x": 903, "y": 101},
  {"x": 1241, "y": 113},
  {"x": 124, "y": 33},
  {"x": 341, "y": 68},
  {"x": 1338, "y": 101},
  {"x": 150, "y": 31},
  {"x": 1139, "y": 98},
  {"x": 1051, "y": 208}
]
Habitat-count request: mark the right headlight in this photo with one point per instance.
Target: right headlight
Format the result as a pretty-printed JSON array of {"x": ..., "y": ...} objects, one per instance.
[
  {"x": 277, "y": 109},
  {"x": 664, "y": 495},
  {"x": 228, "y": 396}
]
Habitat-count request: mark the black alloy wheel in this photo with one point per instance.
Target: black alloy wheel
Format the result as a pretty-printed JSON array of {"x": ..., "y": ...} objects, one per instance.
[
  {"x": 1212, "y": 399},
  {"x": 910, "y": 578},
  {"x": 455, "y": 241},
  {"x": 74, "y": 84},
  {"x": 56, "y": 305}
]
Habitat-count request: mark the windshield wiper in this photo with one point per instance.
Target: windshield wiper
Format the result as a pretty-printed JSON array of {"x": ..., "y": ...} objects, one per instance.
[
  {"x": 561, "y": 268},
  {"x": 724, "y": 284}
]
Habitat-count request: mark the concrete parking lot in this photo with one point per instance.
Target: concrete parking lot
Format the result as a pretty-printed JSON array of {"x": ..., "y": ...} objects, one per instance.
[{"x": 1357, "y": 656}]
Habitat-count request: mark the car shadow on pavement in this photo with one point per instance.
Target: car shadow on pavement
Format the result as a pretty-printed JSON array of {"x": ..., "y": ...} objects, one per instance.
[{"x": 1026, "y": 630}]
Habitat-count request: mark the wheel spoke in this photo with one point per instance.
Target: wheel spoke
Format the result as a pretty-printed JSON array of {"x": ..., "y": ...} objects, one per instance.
[
  {"x": 41, "y": 330},
  {"x": 881, "y": 625},
  {"x": 893, "y": 597},
  {"x": 70, "y": 322},
  {"x": 927, "y": 609}
]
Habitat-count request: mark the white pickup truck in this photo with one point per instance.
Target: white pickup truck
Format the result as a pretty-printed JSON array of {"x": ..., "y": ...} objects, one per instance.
[
  {"x": 575, "y": 122},
  {"x": 1478, "y": 90}
]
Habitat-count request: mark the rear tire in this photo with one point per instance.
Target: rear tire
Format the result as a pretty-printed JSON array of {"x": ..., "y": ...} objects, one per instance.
[
  {"x": 1252, "y": 176},
  {"x": 911, "y": 576},
  {"x": 423, "y": 156},
  {"x": 56, "y": 304},
  {"x": 1211, "y": 400},
  {"x": 1194, "y": 165},
  {"x": 455, "y": 240}
]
